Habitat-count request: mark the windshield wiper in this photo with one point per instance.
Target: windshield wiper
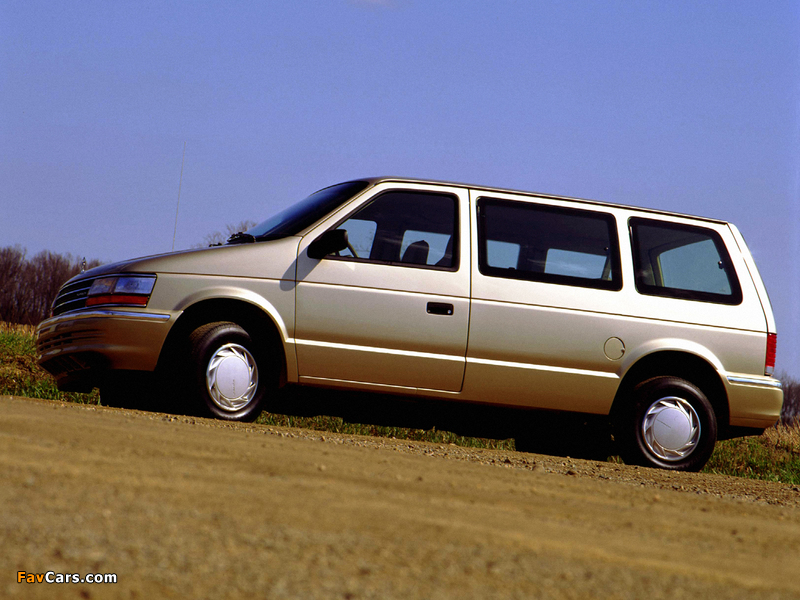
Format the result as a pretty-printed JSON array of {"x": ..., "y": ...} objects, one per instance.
[{"x": 241, "y": 238}]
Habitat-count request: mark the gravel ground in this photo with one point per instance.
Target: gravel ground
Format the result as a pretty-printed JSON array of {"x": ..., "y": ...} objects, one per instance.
[{"x": 182, "y": 507}]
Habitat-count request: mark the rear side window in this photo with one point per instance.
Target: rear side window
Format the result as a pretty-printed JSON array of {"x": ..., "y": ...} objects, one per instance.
[
  {"x": 682, "y": 261},
  {"x": 521, "y": 240}
]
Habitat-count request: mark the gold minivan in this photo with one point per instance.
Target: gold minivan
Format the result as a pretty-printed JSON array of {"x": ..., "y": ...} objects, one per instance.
[{"x": 657, "y": 322}]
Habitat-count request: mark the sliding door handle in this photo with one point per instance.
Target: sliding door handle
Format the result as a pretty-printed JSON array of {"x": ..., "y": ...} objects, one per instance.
[{"x": 440, "y": 308}]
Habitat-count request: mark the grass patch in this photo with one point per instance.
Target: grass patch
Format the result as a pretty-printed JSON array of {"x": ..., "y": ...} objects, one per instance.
[
  {"x": 339, "y": 425},
  {"x": 20, "y": 375},
  {"x": 772, "y": 456}
]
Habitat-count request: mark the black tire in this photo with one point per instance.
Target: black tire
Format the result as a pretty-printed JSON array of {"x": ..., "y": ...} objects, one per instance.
[
  {"x": 230, "y": 375},
  {"x": 669, "y": 424}
]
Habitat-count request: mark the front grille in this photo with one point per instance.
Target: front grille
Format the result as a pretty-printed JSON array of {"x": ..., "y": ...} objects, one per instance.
[{"x": 72, "y": 296}]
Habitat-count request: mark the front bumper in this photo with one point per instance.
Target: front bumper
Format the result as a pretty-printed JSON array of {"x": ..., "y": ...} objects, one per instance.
[{"x": 79, "y": 348}]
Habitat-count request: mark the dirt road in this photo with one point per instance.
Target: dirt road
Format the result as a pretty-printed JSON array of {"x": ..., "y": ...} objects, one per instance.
[{"x": 179, "y": 507}]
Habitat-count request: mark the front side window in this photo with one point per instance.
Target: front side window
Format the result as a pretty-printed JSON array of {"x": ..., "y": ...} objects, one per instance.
[
  {"x": 405, "y": 228},
  {"x": 522, "y": 240},
  {"x": 682, "y": 261}
]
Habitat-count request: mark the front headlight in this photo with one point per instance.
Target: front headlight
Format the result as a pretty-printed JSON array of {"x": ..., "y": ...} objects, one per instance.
[{"x": 123, "y": 290}]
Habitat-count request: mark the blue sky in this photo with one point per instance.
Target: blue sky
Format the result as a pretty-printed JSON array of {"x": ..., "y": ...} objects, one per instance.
[{"x": 685, "y": 106}]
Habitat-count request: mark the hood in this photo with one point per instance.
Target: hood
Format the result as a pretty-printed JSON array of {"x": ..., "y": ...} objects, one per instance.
[{"x": 274, "y": 259}]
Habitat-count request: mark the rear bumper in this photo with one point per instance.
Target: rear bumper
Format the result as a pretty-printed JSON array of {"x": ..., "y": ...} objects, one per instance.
[
  {"x": 753, "y": 401},
  {"x": 80, "y": 348}
]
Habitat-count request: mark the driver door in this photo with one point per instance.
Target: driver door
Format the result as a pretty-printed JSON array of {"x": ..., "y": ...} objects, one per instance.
[{"x": 391, "y": 311}]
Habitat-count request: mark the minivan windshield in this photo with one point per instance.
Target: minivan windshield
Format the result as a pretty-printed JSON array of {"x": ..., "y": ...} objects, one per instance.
[{"x": 295, "y": 218}]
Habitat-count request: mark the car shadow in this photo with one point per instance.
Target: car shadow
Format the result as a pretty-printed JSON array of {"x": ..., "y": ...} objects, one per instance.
[{"x": 543, "y": 432}]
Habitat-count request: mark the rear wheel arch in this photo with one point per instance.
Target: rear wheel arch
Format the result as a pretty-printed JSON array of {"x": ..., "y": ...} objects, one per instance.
[{"x": 684, "y": 365}]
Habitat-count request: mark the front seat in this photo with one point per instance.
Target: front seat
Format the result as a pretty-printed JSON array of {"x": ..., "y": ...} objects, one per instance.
[{"x": 416, "y": 253}]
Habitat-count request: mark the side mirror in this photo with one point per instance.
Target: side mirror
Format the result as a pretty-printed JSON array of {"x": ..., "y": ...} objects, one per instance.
[{"x": 333, "y": 240}]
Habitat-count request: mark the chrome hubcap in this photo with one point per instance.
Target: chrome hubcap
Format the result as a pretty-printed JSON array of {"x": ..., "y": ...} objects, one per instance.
[
  {"x": 232, "y": 377},
  {"x": 671, "y": 428}
]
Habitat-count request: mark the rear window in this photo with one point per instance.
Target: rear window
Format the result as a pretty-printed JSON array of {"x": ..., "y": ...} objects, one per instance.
[
  {"x": 523, "y": 240},
  {"x": 682, "y": 261}
]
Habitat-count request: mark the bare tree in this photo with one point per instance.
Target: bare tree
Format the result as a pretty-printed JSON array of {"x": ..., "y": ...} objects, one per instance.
[
  {"x": 12, "y": 269},
  {"x": 791, "y": 399},
  {"x": 218, "y": 237},
  {"x": 28, "y": 287},
  {"x": 49, "y": 272}
]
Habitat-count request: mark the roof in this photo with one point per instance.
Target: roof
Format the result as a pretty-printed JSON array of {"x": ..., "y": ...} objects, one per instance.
[{"x": 483, "y": 188}]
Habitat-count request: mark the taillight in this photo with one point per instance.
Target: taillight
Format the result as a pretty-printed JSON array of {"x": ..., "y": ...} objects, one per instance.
[{"x": 772, "y": 347}]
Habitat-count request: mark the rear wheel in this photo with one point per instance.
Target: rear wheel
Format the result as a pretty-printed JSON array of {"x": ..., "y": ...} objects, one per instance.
[
  {"x": 230, "y": 374},
  {"x": 670, "y": 424}
]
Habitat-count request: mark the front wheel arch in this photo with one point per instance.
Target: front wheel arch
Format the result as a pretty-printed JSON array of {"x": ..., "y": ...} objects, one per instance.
[
  {"x": 248, "y": 316},
  {"x": 258, "y": 324}
]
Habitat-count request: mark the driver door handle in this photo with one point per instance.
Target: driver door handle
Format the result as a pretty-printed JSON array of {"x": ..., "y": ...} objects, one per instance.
[{"x": 440, "y": 308}]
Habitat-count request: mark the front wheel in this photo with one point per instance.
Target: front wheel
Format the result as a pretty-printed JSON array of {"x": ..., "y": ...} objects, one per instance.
[
  {"x": 670, "y": 424},
  {"x": 229, "y": 372}
]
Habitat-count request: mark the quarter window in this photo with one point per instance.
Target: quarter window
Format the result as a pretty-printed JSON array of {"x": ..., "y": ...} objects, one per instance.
[
  {"x": 522, "y": 240},
  {"x": 682, "y": 261},
  {"x": 361, "y": 235},
  {"x": 405, "y": 228}
]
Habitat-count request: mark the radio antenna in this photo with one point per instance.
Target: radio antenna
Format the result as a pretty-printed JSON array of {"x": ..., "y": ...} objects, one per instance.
[{"x": 177, "y": 208}]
